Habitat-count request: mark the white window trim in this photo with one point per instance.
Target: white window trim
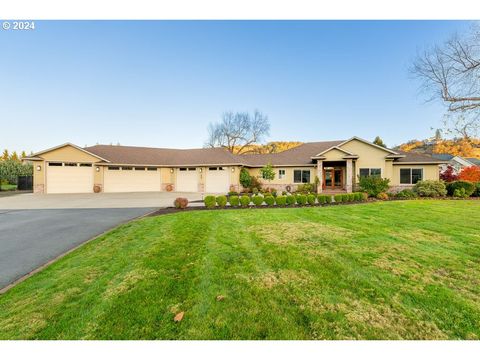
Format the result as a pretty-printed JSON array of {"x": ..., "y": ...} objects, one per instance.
[{"x": 411, "y": 175}]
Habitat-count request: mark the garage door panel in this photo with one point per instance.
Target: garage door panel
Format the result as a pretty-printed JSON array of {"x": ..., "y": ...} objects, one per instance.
[
  {"x": 131, "y": 180},
  {"x": 217, "y": 181},
  {"x": 187, "y": 180},
  {"x": 69, "y": 179}
]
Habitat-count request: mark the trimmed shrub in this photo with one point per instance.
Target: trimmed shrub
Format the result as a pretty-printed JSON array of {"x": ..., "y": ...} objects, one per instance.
[
  {"x": 290, "y": 200},
  {"x": 328, "y": 199},
  {"x": 477, "y": 190},
  {"x": 345, "y": 198},
  {"x": 364, "y": 196},
  {"x": 311, "y": 199},
  {"x": 358, "y": 196},
  {"x": 305, "y": 188},
  {"x": 430, "y": 188},
  {"x": 461, "y": 184},
  {"x": 245, "y": 200},
  {"x": 269, "y": 200},
  {"x": 301, "y": 199},
  {"x": 274, "y": 192},
  {"x": 234, "y": 200},
  {"x": 255, "y": 191},
  {"x": 382, "y": 196},
  {"x": 284, "y": 193},
  {"x": 406, "y": 194},
  {"x": 232, "y": 193},
  {"x": 221, "y": 200},
  {"x": 210, "y": 201},
  {"x": 460, "y": 193},
  {"x": 351, "y": 197},
  {"x": 373, "y": 185},
  {"x": 257, "y": 200},
  {"x": 281, "y": 200},
  {"x": 180, "y": 203},
  {"x": 321, "y": 199},
  {"x": 338, "y": 198}
]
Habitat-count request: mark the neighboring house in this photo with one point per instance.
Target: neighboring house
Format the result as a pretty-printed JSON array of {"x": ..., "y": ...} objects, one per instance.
[
  {"x": 457, "y": 162},
  {"x": 337, "y": 165}
]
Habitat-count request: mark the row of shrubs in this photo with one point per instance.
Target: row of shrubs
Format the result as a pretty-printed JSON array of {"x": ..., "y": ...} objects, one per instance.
[{"x": 281, "y": 200}]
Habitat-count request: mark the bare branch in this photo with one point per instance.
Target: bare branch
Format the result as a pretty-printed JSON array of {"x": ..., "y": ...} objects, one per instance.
[{"x": 237, "y": 132}]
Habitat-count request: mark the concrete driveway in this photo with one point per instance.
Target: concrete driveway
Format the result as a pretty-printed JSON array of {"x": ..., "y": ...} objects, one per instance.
[
  {"x": 93, "y": 201},
  {"x": 31, "y": 238}
]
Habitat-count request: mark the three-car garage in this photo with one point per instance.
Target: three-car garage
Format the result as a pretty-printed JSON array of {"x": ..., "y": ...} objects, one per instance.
[{"x": 115, "y": 169}]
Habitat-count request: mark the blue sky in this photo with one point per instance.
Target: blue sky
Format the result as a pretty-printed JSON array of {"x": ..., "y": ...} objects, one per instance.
[{"x": 159, "y": 83}]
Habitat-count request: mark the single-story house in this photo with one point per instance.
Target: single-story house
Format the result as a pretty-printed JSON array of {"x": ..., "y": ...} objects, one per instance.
[
  {"x": 113, "y": 168},
  {"x": 457, "y": 162}
]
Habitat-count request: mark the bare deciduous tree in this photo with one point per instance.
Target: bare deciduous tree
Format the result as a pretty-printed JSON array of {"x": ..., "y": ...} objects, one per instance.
[
  {"x": 238, "y": 131},
  {"x": 451, "y": 73}
]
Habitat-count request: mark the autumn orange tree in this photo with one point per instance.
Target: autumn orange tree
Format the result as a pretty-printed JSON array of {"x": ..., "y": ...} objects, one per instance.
[{"x": 471, "y": 173}]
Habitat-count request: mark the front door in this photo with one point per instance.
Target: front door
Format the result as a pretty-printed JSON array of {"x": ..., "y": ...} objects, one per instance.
[{"x": 333, "y": 178}]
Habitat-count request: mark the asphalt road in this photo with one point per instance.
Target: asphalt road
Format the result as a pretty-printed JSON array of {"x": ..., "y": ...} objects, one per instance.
[{"x": 31, "y": 238}]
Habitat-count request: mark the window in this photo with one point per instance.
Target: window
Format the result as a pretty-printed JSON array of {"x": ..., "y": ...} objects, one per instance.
[
  {"x": 70, "y": 164},
  {"x": 364, "y": 172},
  {"x": 301, "y": 176},
  {"x": 151, "y": 169},
  {"x": 192, "y": 169},
  {"x": 183, "y": 169},
  {"x": 417, "y": 175},
  {"x": 114, "y": 168},
  {"x": 127, "y": 168},
  {"x": 55, "y": 164},
  {"x": 410, "y": 176},
  {"x": 86, "y": 165},
  {"x": 139, "y": 168},
  {"x": 212, "y": 168},
  {"x": 370, "y": 172},
  {"x": 281, "y": 174}
]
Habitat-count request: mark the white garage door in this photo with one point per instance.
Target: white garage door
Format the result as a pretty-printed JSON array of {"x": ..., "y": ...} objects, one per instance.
[
  {"x": 131, "y": 179},
  {"x": 187, "y": 180},
  {"x": 218, "y": 180},
  {"x": 65, "y": 178}
]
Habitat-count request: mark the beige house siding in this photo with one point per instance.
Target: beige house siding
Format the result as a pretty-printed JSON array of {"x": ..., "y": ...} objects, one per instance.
[
  {"x": 334, "y": 155},
  {"x": 65, "y": 153},
  {"x": 368, "y": 157},
  {"x": 38, "y": 177},
  {"x": 280, "y": 184},
  {"x": 430, "y": 172}
]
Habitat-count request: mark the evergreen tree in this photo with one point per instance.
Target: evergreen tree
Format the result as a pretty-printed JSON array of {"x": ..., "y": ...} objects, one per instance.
[{"x": 378, "y": 141}]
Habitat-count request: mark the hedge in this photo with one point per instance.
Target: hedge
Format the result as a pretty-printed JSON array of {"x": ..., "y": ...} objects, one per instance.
[{"x": 234, "y": 200}]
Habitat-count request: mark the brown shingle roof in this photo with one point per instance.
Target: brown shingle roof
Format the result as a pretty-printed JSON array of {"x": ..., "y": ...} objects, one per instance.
[
  {"x": 132, "y": 155},
  {"x": 300, "y": 155},
  {"x": 416, "y": 157}
]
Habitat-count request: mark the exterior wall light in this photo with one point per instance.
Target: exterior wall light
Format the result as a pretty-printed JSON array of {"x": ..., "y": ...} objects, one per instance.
[
  {"x": 233, "y": 169},
  {"x": 39, "y": 168},
  {"x": 200, "y": 170},
  {"x": 97, "y": 169},
  {"x": 171, "y": 171}
]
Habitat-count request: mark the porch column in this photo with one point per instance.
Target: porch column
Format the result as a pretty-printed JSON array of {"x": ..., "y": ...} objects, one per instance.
[
  {"x": 320, "y": 175},
  {"x": 348, "y": 183}
]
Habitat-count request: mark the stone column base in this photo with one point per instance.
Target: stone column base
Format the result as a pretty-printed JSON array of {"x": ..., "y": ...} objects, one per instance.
[{"x": 39, "y": 189}]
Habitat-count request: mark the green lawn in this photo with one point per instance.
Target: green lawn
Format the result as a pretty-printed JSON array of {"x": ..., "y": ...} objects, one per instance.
[{"x": 385, "y": 270}]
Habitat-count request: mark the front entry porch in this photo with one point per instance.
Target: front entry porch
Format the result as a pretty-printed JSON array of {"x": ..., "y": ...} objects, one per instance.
[{"x": 335, "y": 176}]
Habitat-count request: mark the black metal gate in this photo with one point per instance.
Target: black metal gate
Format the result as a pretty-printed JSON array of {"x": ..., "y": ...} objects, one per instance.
[{"x": 25, "y": 183}]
